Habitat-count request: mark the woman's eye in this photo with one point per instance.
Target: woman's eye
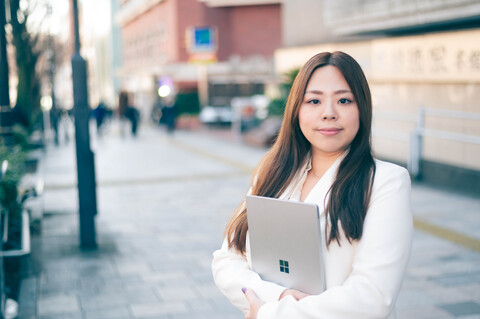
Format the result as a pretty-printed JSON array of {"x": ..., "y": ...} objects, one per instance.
[
  {"x": 314, "y": 101},
  {"x": 344, "y": 101}
]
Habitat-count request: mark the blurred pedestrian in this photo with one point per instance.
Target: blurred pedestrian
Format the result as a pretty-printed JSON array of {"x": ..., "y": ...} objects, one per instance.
[
  {"x": 169, "y": 113},
  {"x": 323, "y": 155},
  {"x": 55, "y": 117},
  {"x": 100, "y": 113},
  {"x": 156, "y": 113},
  {"x": 122, "y": 108},
  {"x": 133, "y": 115}
]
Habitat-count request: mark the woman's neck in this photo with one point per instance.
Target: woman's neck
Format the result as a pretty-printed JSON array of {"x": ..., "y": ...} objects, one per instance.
[{"x": 322, "y": 162}]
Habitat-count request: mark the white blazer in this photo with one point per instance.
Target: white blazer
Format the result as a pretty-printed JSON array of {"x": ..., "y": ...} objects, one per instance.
[{"x": 363, "y": 278}]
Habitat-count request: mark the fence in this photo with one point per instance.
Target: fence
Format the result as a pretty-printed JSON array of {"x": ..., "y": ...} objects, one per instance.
[{"x": 415, "y": 138}]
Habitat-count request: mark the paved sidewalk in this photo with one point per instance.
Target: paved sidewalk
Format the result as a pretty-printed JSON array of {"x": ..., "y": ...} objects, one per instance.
[{"x": 163, "y": 203}]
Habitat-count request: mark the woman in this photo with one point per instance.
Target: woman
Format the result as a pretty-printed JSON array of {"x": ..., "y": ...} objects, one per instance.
[{"x": 323, "y": 155}]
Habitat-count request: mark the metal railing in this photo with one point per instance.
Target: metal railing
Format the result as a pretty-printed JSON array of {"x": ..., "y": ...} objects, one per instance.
[
  {"x": 415, "y": 138},
  {"x": 396, "y": 117}
]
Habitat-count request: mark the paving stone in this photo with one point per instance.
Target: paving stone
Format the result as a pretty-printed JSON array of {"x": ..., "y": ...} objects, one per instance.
[
  {"x": 448, "y": 294},
  {"x": 28, "y": 297},
  {"x": 142, "y": 294},
  {"x": 462, "y": 308},
  {"x": 156, "y": 310},
  {"x": 414, "y": 299},
  {"x": 203, "y": 277},
  {"x": 457, "y": 279},
  {"x": 424, "y": 312},
  {"x": 63, "y": 316},
  {"x": 58, "y": 304},
  {"x": 118, "y": 312},
  {"x": 169, "y": 277},
  {"x": 207, "y": 315},
  {"x": 138, "y": 268},
  {"x": 174, "y": 293},
  {"x": 221, "y": 304},
  {"x": 208, "y": 290},
  {"x": 472, "y": 289},
  {"x": 200, "y": 306},
  {"x": 103, "y": 301}
]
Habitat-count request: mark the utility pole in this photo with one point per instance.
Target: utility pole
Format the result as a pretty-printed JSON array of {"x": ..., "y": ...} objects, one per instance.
[
  {"x": 85, "y": 157},
  {"x": 5, "y": 110}
]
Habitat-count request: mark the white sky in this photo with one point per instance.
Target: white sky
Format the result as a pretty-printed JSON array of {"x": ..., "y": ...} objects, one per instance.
[{"x": 94, "y": 16}]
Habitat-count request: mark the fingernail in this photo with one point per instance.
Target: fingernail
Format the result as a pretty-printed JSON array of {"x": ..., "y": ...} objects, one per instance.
[{"x": 244, "y": 290}]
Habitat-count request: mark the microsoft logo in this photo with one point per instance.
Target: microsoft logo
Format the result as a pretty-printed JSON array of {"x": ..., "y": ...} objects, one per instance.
[{"x": 284, "y": 266}]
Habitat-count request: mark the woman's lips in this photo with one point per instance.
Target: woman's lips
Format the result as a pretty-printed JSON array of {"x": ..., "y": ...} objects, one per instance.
[{"x": 329, "y": 131}]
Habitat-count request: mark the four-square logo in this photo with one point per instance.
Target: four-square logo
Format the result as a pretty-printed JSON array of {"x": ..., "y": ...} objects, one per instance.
[{"x": 284, "y": 267}]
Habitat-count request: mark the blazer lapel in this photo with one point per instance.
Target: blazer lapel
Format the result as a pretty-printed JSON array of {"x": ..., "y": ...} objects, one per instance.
[{"x": 318, "y": 194}]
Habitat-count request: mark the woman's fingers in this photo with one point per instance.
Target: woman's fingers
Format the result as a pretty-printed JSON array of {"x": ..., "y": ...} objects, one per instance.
[
  {"x": 294, "y": 293},
  {"x": 254, "y": 301}
]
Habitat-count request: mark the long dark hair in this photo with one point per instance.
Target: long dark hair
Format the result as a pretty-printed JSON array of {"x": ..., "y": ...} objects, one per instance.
[{"x": 350, "y": 192}]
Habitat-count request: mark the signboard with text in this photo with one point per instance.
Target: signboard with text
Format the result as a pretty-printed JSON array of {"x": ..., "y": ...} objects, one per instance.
[
  {"x": 451, "y": 57},
  {"x": 201, "y": 44}
]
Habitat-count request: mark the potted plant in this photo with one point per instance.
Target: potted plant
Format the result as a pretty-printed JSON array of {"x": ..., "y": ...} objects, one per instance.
[{"x": 11, "y": 210}]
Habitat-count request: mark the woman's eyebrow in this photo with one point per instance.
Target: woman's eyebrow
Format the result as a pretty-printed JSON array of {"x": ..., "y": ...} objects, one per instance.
[
  {"x": 315, "y": 92},
  {"x": 321, "y": 92},
  {"x": 342, "y": 91}
]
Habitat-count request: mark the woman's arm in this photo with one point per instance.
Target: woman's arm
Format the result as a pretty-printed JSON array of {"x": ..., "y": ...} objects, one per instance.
[
  {"x": 231, "y": 273},
  {"x": 379, "y": 264}
]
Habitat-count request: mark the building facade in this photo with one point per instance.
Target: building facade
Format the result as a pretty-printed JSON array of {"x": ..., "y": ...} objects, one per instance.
[
  {"x": 422, "y": 60},
  {"x": 156, "y": 46}
]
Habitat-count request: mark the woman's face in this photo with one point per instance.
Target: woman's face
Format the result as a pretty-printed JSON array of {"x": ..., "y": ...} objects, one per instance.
[{"x": 329, "y": 117}]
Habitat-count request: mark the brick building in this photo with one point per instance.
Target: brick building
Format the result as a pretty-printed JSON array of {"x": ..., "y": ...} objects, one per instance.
[{"x": 155, "y": 36}]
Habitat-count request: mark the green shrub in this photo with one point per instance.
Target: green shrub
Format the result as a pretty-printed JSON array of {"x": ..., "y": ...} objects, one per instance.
[
  {"x": 20, "y": 137},
  {"x": 187, "y": 103},
  {"x": 9, "y": 203},
  {"x": 277, "y": 106},
  {"x": 16, "y": 158},
  {"x": 9, "y": 185}
]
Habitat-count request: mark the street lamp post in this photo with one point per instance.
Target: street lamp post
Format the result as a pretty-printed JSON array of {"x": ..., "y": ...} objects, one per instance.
[
  {"x": 85, "y": 157},
  {"x": 5, "y": 110}
]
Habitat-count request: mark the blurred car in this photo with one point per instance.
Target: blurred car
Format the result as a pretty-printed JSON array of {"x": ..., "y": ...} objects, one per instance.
[{"x": 216, "y": 115}]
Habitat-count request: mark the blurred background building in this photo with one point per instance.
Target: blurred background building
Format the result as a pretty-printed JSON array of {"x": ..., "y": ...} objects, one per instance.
[
  {"x": 422, "y": 59},
  {"x": 210, "y": 50}
]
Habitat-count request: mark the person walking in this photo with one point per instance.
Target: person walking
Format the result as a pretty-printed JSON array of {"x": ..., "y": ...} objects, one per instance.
[
  {"x": 133, "y": 115},
  {"x": 55, "y": 116},
  {"x": 169, "y": 113},
  {"x": 323, "y": 155},
  {"x": 100, "y": 113},
  {"x": 122, "y": 109}
]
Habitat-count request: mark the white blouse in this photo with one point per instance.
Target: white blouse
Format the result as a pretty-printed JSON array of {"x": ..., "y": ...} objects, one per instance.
[{"x": 363, "y": 278}]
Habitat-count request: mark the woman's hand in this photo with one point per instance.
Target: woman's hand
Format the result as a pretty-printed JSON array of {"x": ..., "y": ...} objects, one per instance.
[
  {"x": 255, "y": 303},
  {"x": 294, "y": 293}
]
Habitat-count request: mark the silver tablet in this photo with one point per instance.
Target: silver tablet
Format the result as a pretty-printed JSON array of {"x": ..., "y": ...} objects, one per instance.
[{"x": 286, "y": 243}]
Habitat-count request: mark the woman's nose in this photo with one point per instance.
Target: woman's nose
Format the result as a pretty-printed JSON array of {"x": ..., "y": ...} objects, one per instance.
[
  {"x": 328, "y": 117},
  {"x": 329, "y": 112}
]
